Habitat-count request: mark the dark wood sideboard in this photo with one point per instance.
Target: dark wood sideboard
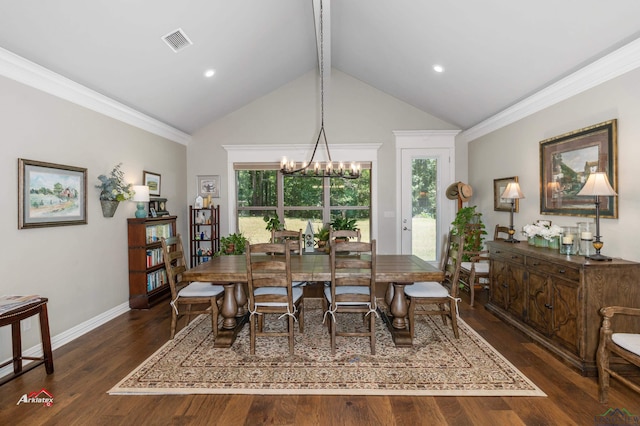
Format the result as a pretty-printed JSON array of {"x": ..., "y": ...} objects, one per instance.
[{"x": 555, "y": 299}]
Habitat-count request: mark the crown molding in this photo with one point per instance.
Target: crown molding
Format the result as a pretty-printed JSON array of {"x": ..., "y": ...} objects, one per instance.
[
  {"x": 31, "y": 74},
  {"x": 619, "y": 62}
]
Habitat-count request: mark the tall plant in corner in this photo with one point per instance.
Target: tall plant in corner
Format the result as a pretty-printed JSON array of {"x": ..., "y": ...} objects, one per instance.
[{"x": 469, "y": 223}]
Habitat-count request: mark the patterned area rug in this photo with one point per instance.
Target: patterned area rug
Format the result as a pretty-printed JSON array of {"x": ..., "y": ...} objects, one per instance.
[{"x": 438, "y": 364}]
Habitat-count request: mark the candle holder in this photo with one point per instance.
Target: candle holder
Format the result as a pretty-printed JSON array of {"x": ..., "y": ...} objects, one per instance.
[
  {"x": 569, "y": 240},
  {"x": 566, "y": 248}
]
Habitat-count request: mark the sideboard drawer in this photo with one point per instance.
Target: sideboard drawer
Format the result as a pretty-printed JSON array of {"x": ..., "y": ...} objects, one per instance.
[
  {"x": 496, "y": 252},
  {"x": 546, "y": 267}
]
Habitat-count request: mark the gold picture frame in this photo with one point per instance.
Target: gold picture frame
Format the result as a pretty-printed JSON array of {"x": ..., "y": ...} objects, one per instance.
[{"x": 565, "y": 163}]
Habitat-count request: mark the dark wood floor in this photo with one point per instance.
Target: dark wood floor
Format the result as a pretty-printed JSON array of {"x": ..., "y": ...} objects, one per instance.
[{"x": 87, "y": 367}]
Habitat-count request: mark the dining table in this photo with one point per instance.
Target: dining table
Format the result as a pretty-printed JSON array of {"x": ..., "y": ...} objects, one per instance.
[{"x": 393, "y": 270}]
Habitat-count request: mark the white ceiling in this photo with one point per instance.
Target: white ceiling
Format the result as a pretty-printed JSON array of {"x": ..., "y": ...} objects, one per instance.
[{"x": 495, "y": 52}]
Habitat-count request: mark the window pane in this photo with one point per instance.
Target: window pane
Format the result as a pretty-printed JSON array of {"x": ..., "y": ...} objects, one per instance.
[
  {"x": 362, "y": 217},
  {"x": 297, "y": 219},
  {"x": 252, "y": 225},
  {"x": 256, "y": 187},
  {"x": 352, "y": 192},
  {"x": 424, "y": 243},
  {"x": 303, "y": 191}
]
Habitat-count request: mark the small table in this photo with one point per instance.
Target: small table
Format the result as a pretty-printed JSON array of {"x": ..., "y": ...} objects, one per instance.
[{"x": 13, "y": 318}]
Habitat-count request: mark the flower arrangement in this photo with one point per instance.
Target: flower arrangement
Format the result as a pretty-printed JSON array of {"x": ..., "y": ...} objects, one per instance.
[
  {"x": 113, "y": 187},
  {"x": 542, "y": 228}
]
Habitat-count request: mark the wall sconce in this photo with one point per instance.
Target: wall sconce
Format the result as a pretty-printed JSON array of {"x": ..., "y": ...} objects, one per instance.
[
  {"x": 141, "y": 195},
  {"x": 597, "y": 184},
  {"x": 512, "y": 192}
]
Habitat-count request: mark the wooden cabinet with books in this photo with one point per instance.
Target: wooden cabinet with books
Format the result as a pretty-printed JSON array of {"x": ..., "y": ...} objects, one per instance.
[
  {"x": 147, "y": 276},
  {"x": 204, "y": 233}
]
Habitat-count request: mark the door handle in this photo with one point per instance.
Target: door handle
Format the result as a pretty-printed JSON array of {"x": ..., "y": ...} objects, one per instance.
[{"x": 404, "y": 228}]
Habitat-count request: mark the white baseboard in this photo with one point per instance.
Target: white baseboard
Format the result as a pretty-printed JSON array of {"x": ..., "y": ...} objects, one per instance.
[{"x": 70, "y": 335}]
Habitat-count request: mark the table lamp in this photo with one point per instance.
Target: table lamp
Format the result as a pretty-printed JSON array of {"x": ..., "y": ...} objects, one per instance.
[
  {"x": 597, "y": 184},
  {"x": 141, "y": 195},
  {"x": 512, "y": 192}
]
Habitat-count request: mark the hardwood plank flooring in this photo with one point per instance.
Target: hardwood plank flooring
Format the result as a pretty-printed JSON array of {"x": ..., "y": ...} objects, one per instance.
[{"x": 87, "y": 367}]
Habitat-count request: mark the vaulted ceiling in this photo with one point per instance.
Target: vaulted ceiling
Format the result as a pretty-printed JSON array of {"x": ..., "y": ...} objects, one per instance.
[{"x": 494, "y": 52}]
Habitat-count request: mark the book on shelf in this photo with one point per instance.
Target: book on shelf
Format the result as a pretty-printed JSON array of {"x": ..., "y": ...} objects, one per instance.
[{"x": 9, "y": 303}]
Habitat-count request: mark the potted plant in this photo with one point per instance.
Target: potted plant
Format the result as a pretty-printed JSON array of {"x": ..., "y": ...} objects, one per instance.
[
  {"x": 232, "y": 244},
  {"x": 344, "y": 224},
  {"x": 322, "y": 236},
  {"x": 113, "y": 189},
  {"x": 469, "y": 222},
  {"x": 273, "y": 223}
]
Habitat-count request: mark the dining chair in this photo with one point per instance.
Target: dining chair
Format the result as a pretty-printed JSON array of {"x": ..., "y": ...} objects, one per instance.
[
  {"x": 474, "y": 269},
  {"x": 296, "y": 239},
  {"x": 427, "y": 294},
  {"x": 185, "y": 293},
  {"x": 296, "y": 244},
  {"x": 501, "y": 233},
  {"x": 271, "y": 291},
  {"x": 625, "y": 345},
  {"x": 352, "y": 288},
  {"x": 343, "y": 233}
]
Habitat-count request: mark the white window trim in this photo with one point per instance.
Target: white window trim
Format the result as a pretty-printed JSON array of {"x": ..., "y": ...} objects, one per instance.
[{"x": 275, "y": 153}]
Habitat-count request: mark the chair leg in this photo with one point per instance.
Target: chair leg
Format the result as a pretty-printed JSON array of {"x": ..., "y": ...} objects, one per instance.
[
  {"x": 454, "y": 318},
  {"x": 214, "y": 317},
  {"x": 291, "y": 328},
  {"x": 333, "y": 335},
  {"x": 301, "y": 317},
  {"x": 412, "y": 320},
  {"x": 472, "y": 286},
  {"x": 174, "y": 321},
  {"x": 252, "y": 335},
  {"x": 372, "y": 329},
  {"x": 444, "y": 315},
  {"x": 188, "y": 314},
  {"x": 602, "y": 358}
]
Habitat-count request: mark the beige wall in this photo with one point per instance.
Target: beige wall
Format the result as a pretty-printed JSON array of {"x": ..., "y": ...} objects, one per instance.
[
  {"x": 83, "y": 268},
  {"x": 514, "y": 150},
  {"x": 354, "y": 113}
]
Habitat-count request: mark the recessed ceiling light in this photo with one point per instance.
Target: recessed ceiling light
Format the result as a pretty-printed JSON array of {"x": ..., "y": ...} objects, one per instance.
[
  {"x": 209, "y": 73},
  {"x": 438, "y": 68}
]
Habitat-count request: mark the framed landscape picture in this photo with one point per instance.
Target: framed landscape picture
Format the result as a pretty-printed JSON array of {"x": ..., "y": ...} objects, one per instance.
[
  {"x": 51, "y": 194},
  {"x": 209, "y": 185},
  {"x": 565, "y": 164},
  {"x": 152, "y": 180},
  {"x": 501, "y": 204}
]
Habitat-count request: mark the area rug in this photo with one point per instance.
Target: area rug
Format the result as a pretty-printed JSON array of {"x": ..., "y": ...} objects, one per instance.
[{"x": 437, "y": 364}]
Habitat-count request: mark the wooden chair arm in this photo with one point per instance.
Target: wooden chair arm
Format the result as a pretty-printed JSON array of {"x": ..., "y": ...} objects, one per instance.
[{"x": 610, "y": 311}]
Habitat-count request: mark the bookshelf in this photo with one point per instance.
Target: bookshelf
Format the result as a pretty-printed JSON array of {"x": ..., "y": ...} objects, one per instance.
[
  {"x": 147, "y": 276},
  {"x": 204, "y": 233}
]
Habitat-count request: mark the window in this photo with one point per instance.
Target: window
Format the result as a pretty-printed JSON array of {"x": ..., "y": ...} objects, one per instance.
[{"x": 263, "y": 191}]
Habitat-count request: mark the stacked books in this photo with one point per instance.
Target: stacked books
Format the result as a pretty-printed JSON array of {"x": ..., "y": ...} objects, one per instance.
[{"x": 9, "y": 303}]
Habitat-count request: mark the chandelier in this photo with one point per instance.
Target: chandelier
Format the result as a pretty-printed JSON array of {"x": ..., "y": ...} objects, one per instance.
[{"x": 311, "y": 169}]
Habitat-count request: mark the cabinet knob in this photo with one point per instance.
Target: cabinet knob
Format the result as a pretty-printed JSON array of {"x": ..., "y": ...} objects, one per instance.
[
  {"x": 504, "y": 285},
  {"x": 514, "y": 257},
  {"x": 562, "y": 271}
]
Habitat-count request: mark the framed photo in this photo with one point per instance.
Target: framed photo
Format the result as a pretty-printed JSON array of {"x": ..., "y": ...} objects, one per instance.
[
  {"x": 153, "y": 212},
  {"x": 152, "y": 180},
  {"x": 565, "y": 164},
  {"x": 51, "y": 194},
  {"x": 501, "y": 204},
  {"x": 209, "y": 185}
]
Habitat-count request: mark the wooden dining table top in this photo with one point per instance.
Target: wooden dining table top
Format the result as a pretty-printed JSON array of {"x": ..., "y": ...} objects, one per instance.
[{"x": 400, "y": 268}]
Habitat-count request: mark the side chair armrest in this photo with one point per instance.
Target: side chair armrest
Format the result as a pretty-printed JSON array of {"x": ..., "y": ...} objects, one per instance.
[{"x": 610, "y": 311}]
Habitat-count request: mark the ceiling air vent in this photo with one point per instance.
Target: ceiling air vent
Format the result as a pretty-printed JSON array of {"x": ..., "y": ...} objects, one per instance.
[{"x": 177, "y": 40}]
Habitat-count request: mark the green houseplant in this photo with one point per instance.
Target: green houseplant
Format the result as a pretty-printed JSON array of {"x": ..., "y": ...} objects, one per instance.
[
  {"x": 273, "y": 223},
  {"x": 113, "y": 189},
  {"x": 344, "y": 224},
  {"x": 322, "y": 236},
  {"x": 232, "y": 244},
  {"x": 468, "y": 221}
]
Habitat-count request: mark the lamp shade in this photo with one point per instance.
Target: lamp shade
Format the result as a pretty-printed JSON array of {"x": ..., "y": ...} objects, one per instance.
[
  {"x": 597, "y": 184},
  {"x": 512, "y": 191},
  {"x": 141, "y": 193}
]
